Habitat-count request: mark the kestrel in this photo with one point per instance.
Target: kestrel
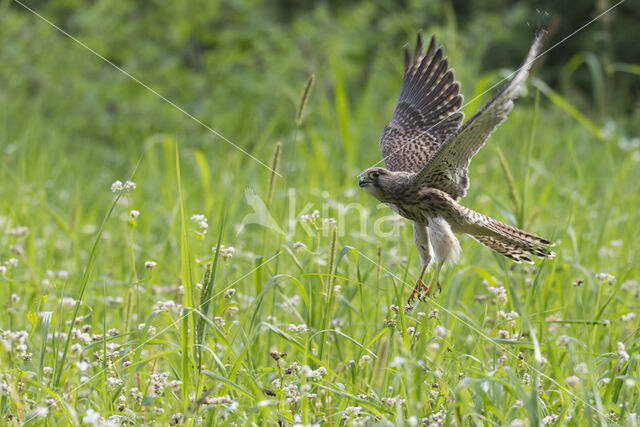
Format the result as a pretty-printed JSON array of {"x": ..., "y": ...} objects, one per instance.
[{"x": 427, "y": 151}]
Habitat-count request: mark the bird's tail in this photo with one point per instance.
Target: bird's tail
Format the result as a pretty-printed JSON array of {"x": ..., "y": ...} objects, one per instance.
[{"x": 511, "y": 242}]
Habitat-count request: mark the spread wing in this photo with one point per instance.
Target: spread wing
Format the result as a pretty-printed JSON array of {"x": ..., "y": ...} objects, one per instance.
[
  {"x": 425, "y": 114},
  {"x": 447, "y": 169}
]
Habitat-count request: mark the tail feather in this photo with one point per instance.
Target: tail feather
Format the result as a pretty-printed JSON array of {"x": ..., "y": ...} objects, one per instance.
[
  {"x": 513, "y": 233},
  {"x": 511, "y": 242},
  {"x": 510, "y": 249}
]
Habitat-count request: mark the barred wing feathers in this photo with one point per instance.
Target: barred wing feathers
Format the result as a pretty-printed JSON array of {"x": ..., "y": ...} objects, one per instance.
[
  {"x": 447, "y": 169},
  {"x": 426, "y": 111}
]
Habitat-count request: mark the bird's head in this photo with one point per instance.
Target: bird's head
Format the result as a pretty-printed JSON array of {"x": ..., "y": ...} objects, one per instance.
[{"x": 381, "y": 183}]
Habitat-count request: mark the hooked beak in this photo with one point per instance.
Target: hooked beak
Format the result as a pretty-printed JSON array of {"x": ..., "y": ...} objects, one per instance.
[{"x": 363, "y": 182}]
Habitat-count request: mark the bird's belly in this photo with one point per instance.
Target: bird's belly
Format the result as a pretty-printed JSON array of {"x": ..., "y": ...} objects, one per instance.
[
  {"x": 445, "y": 244},
  {"x": 413, "y": 212}
]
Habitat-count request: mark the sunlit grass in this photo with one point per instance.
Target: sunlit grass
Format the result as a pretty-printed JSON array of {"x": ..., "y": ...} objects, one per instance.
[{"x": 164, "y": 316}]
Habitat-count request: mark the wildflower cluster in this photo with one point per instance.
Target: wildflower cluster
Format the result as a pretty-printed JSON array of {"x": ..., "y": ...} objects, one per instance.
[
  {"x": 126, "y": 187},
  {"x": 18, "y": 342},
  {"x": 201, "y": 222},
  {"x": 225, "y": 252},
  {"x": 316, "y": 221},
  {"x": 606, "y": 278},
  {"x": 500, "y": 293}
]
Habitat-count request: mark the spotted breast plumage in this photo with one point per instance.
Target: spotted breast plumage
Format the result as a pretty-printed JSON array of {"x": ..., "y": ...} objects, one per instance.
[{"x": 427, "y": 150}]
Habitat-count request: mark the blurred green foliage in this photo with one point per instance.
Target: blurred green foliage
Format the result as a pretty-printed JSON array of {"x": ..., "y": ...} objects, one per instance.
[
  {"x": 71, "y": 124},
  {"x": 207, "y": 55}
]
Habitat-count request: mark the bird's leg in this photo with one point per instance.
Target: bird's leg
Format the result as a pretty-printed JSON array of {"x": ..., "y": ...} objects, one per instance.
[
  {"x": 434, "y": 280},
  {"x": 417, "y": 289}
]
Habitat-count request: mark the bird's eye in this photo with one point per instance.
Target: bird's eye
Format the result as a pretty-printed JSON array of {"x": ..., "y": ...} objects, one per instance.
[{"x": 375, "y": 174}]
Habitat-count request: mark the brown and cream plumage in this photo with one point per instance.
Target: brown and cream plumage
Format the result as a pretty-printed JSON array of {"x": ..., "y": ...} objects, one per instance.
[{"x": 427, "y": 152}]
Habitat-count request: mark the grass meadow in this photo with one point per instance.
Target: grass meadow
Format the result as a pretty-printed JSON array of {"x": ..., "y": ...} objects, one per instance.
[{"x": 204, "y": 289}]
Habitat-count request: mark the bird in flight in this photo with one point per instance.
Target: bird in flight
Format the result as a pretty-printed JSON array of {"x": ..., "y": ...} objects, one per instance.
[{"x": 427, "y": 150}]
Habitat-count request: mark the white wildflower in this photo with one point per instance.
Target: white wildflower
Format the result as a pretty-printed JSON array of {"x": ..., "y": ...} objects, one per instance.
[
  {"x": 115, "y": 187},
  {"x": 297, "y": 328},
  {"x": 68, "y": 301},
  {"x": 616, "y": 243},
  {"x": 563, "y": 340},
  {"x": 581, "y": 369},
  {"x": 628, "y": 317},
  {"x": 441, "y": 331},
  {"x": 364, "y": 359},
  {"x": 306, "y": 371},
  {"x": 622, "y": 352},
  {"x": 510, "y": 317},
  {"x": 201, "y": 221},
  {"x": 572, "y": 380},
  {"x": 319, "y": 373},
  {"x": 158, "y": 382},
  {"x": 604, "y": 382},
  {"x": 167, "y": 305},
  {"x": 134, "y": 214},
  {"x": 502, "y": 334},
  {"x": 225, "y": 252},
  {"x": 19, "y": 231},
  {"x": 39, "y": 412},
  {"x": 606, "y": 278},
  {"x": 500, "y": 293},
  {"x": 392, "y": 401},
  {"x": 150, "y": 265},
  {"x": 398, "y": 361},
  {"x": 114, "y": 382}
]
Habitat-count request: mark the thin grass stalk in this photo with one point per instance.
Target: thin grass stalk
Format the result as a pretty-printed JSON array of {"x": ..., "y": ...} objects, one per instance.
[
  {"x": 527, "y": 160},
  {"x": 302, "y": 106},
  {"x": 207, "y": 291},
  {"x": 44, "y": 333},
  {"x": 304, "y": 99},
  {"x": 105, "y": 393},
  {"x": 128, "y": 310},
  {"x": 513, "y": 189},
  {"x": 275, "y": 163},
  {"x": 271, "y": 186},
  {"x": 184, "y": 346},
  {"x": 83, "y": 287},
  {"x": 333, "y": 250},
  {"x": 379, "y": 267},
  {"x": 132, "y": 224},
  {"x": 188, "y": 302}
]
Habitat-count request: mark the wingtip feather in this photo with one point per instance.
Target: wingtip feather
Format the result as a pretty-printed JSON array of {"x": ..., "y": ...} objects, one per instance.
[{"x": 418, "y": 52}]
